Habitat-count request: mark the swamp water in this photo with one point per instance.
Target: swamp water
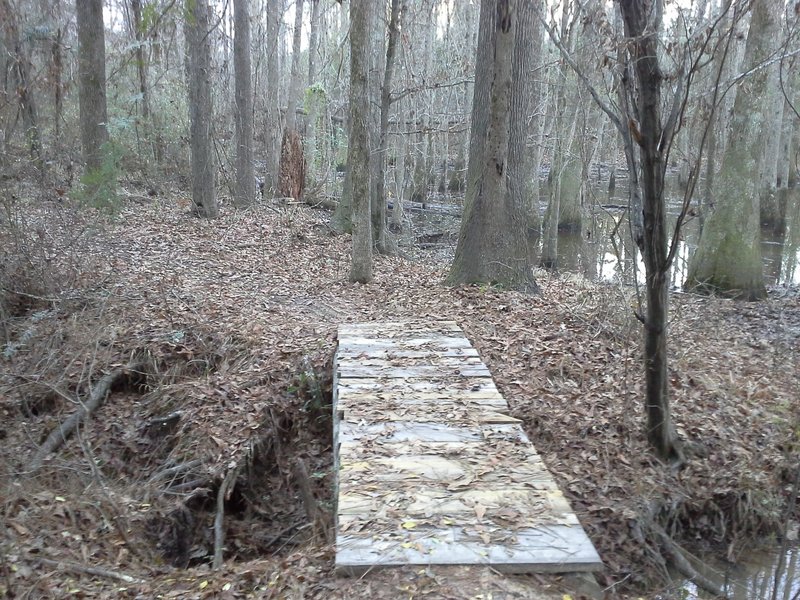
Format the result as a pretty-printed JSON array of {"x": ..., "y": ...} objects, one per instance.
[
  {"x": 605, "y": 252},
  {"x": 753, "y": 579}
]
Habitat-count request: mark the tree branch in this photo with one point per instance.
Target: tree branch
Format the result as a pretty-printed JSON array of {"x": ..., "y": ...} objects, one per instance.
[{"x": 96, "y": 399}]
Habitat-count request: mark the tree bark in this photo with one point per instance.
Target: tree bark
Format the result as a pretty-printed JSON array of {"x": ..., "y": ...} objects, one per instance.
[
  {"x": 148, "y": 116},
  {"x": 642, "y": 24},
  {"x": 313, "y": 42},
  {"x": 728, "y": 256},
  {"x": 358, "y": 155},
  {"x": 294, "y": 84},
  {"x": 379, "y": 215},
  {"x": 492, "y": 246},
  {"x": 272, "y": 121},
  {"x": 521, "y": 171},
  {"x": 245, "y": 192},
  {"x": 198, "y": 56},
  {"x": 92, "y": 74},
  {"x": 21, "y": 68}
]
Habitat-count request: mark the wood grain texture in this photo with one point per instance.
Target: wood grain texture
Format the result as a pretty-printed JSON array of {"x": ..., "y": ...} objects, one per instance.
[{"x": 431, "y": 468}]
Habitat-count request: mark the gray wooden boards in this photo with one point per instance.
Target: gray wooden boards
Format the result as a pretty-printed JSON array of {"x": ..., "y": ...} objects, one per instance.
[{"x": 430, "y": 467}]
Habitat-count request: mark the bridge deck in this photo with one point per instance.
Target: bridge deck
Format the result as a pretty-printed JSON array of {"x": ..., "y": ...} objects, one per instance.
[{"x": 430, "y": 467}]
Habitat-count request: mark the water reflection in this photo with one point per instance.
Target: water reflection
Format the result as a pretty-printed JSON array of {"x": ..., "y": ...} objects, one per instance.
[
  {"x": 607, "y": 253},
  {"x": 754, "y": 580}
]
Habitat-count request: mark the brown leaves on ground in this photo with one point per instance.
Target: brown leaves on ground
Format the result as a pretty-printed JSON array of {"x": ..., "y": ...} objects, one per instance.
[{"x": 232, "y": 311}]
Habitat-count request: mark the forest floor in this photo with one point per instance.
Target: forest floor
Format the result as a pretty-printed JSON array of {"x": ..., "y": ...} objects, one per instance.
[{"x": 222, "y": 335}]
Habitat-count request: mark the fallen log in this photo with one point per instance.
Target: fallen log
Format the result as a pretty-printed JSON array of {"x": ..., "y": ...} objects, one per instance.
[
  {"x": 96, "y": 399},
  {"x": 428, "y": 208}
]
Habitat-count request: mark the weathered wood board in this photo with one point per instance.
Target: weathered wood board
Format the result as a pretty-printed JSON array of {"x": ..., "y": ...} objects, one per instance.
[{"x": 431, "y": 469}]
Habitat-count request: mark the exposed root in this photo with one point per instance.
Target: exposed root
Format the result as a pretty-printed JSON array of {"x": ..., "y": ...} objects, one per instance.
[
  {"x": 684, "y": 567},
  {"x": 225, "y": 489},
  {"x": 96, "y": 399},
  {"x": 318, "y": 518}
]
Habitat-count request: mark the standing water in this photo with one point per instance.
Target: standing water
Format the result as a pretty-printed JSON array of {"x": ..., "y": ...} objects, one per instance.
[
  {"x": 754, "y": 579},
  {"x": 605, "y": 252}
]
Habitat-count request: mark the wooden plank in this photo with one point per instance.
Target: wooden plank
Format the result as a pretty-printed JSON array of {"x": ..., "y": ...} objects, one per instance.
[
  {"x": 537, "y": 550},
  {"x": 507, "y": 506},
  {"x": 382, "y": 362},
  {"x": 433, "y": 371},
  {"x": 477, "y": 400},
  {"x": 452, "y": 472},
  {"x": 454, "y": 414},
  {"x": 426, "y": 432},
  {"x": 387, "y": 328},
  {"x": 430, "y": 342},
  {"x": 398, "y": 352},
  {"x": 450, "y": 385},
  {"x": 430, "y": 470}
]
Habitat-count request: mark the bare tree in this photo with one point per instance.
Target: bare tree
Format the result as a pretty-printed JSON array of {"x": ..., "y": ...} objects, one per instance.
[
  {"x": 642, "y": 26},
  {"x": 245, "y": 174},
  {"x": 358, "y": 155},
  {"x": 21, "y": 69},
  {"x": 272, "y": 121},
  {"x": 148, "y": 115},
  {"x": 198, "y": 56}
]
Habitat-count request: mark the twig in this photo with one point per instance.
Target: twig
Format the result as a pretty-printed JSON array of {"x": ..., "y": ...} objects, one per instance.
[
  {"x": 77, "y": 568},
  {"x": 225, "y": 488},
  {"x": 96, "y": 399},
  {"x": 176, "y": 470},
  {"x": 187, "y": 485}
]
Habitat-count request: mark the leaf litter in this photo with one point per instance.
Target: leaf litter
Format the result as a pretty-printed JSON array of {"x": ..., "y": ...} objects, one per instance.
[{"x": 238, "y": 319}]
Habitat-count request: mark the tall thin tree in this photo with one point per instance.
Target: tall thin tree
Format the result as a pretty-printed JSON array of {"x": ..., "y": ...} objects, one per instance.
[
  {"x": 198, "y": 56},
  {"x": 358, "y": 155},
  {"x": 20, "y": 66},
  {"x": 245, "y": 174},
  {"x": 92, "y": 74}
]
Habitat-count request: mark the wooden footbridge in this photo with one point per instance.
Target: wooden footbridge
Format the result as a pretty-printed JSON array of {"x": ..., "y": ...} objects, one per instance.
[{"x": 431, "y": 469}]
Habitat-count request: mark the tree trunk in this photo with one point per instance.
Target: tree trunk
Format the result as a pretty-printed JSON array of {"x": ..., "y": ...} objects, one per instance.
[
  {"x": 492, "y": 245},
  {"x": 148, "y": 116},
  {"x": 294, "y": 83},
  {"x": 245, "y": 175},
  {"x": 58, "y": 86},
  {"x": 313, "y": 42},
  {"x": 21, "y": 68},
  {"x": 728, "y": 256},
  {"x": 272, "y": 120},
  {"x": 92, "y": 73},
  {"x": 642, "y": 24},
  {"x": 386, "y": 104},
  {"x": 358, "y": 155},
  {"x": 521, "y": 172},
  {"x": 422, "y": 106},
  {"x": 770, "y": 209},
  {"x": 198, "y": 56}
]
